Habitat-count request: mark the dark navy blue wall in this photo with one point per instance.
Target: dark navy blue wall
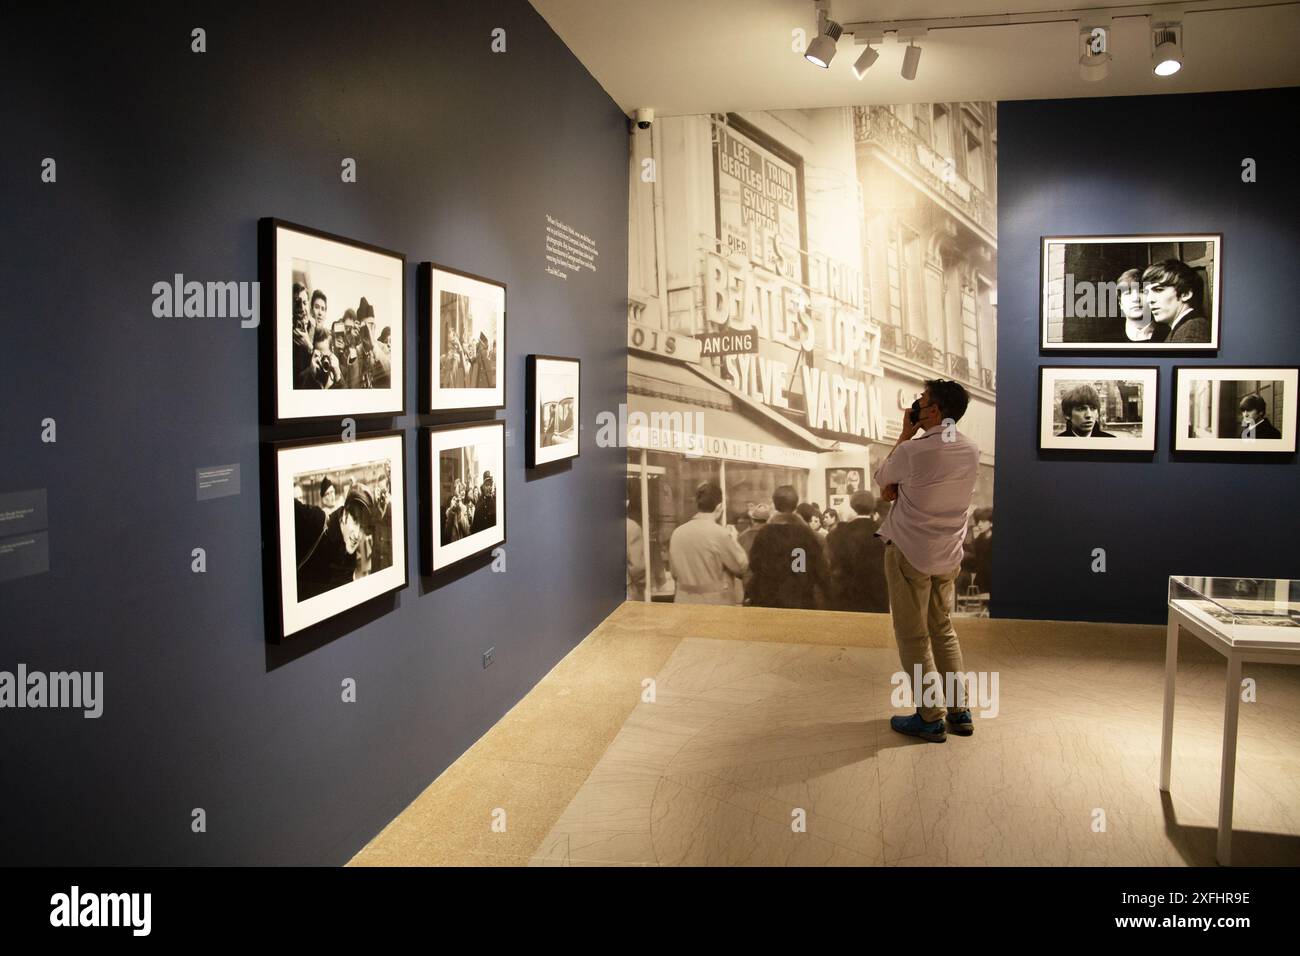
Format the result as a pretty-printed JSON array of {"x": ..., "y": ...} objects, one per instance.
[
  {"x": 1141, "y": 165},
  {"x": 166, "y": 160}
]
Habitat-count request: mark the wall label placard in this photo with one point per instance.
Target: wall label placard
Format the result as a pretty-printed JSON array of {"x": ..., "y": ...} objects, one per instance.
[{"x": 216, "y": 481}]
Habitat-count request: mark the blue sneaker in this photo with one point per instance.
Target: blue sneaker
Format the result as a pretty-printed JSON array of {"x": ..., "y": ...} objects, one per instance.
[
  {"x": 959, "y": 722},
  {"x": 914, "y": 726}
]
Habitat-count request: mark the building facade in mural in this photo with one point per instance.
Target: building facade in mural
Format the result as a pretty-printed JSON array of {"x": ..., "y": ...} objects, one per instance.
[{"x": 795, "y": 277}]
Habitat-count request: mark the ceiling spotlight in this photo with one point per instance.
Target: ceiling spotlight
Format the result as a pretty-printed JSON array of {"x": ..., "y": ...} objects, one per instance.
[
  {"x": 1166, "y": 48},
  {"x": 822, "y": 50},
  {"x": 911, "y": 59},
  {"x": 869, "y": 56},
  {"x": 1094, "y": 53}
]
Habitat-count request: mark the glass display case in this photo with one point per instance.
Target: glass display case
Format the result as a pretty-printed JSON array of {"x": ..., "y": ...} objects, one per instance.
[{"x": 1245, "y": 612}]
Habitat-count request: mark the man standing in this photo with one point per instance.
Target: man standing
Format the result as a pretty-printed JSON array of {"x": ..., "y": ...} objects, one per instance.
[
  {"x": 930, "y": 479},
  {"x": 703, "y": 555},
  {"x": 857, "y": 558},
  {"x": 787, "y": 561}
]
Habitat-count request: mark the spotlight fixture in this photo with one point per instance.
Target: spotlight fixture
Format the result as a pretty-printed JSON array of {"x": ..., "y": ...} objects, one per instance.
[
  {"x": 1166, "y": 48},
  {"x": 822, "y": 50},
  {"x": 869, "y": 56},
  {"x": 911, "y": 59},
  {"x": 1094, "y": 52}
]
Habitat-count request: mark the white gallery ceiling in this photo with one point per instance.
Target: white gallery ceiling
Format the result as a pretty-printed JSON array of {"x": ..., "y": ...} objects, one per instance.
[{"x": 700, "y": 56}]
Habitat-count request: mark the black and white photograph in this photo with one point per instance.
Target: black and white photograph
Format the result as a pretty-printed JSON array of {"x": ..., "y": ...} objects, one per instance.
[
  {"x": 1098, "y": 409},
  {"x": 341, "y": 521},
  {"x": 337, "y": 324},
  {"x": 1246, "y": 410},
  {"x": 465, "y": 328},
  {"x": 841, "y": 485},
  {"x": 467, "y": 485},
  {"x": 552, "y": 409},
  {"x": 1129, "y": 293}
]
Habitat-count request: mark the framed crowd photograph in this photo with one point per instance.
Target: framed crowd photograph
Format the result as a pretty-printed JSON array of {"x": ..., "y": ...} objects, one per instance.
[
  {"x": 1097, "y": 409},
  {"x": 1131, "y": 293},
  {"x": 551, "y": 414},
  {"x": 464, "y": 324},
  {"x": 841, "y": 485},
  {"x": 1249, "y": 410},
  {"x": 336, "y": 332},
  {"x": 465, "y": 492},
  {"x": 340, "y": 525}
]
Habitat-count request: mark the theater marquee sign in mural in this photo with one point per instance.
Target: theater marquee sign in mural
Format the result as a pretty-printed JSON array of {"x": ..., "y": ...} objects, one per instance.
[{"x": 795, "y": 277}]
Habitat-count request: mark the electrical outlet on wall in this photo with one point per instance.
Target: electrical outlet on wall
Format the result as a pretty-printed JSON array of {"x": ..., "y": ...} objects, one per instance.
[{"x": 489, "y": 656}]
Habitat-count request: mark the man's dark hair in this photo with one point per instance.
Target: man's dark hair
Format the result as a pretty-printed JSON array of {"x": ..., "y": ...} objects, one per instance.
[
  {"x": 1083, "y": 394},
  {"x": 1253, "y": 403},
  {"x": 784, "y": 499},
  {"x": 298, "y": 287},
  {"x": 807, "y": 512},
  {"x": 318, "y": 294},
  {"x": 863, "y": 502},
  {"x": 360, "y": 504},
  {"x": 707, "y": 496},
  {"x": 321, "y": 334},
  {"x": 1177, "y": 273},
  {"x": 951, "y": 397},
  {"x": 325, "y": 485}
]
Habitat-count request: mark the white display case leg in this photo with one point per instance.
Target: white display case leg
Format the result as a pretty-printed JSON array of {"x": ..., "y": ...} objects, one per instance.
[
  {"x": 1171, "y": 673},
  {"x": 1228, "y": 769}
]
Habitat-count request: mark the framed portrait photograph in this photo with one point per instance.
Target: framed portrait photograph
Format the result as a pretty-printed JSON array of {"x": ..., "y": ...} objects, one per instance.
[
  {"x": 841, "y": 485},
  {"x": 465, "y": 492},
  {"x": 1130, "y": 293},
  {"x": 335, "y": 312},
  {"x": 464, "y": 326},
  {"x": 552, "y": 410},
  {"x": 1249, "y": 410},
  {"x": 340, "y": 525},
  {"x": 1097, "y": 409}
]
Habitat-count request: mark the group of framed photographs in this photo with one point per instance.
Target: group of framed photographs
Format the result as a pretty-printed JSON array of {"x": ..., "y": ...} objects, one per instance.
[
  {"x": 336, "y": 348},
  {"x": 1160, "y": 294}
]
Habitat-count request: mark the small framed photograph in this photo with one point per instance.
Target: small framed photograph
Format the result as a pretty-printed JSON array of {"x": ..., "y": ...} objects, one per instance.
[
  {"x": 552, "y": 410},
  {"x": 1131, "y": 293},
  {"x": 1097, "y": 409},
  {"x": 841, "y": 485},
  {"x": 464, "y": 324},
  {"x": 336, "y": 324},
  {"x": 465, "y": 492},
  {"x": 1249, "y": 410},
  {"x": 340, "y": 525}
]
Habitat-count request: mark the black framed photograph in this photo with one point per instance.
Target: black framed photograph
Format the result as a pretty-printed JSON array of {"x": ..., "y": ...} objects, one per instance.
[
  {"x": 340, "y": 525},
  {"x": 466, "y": 492},
  {"x": 551, "y": 413},
  {"x": 337, "y": 330},
  {"x": 1249, "y": 409},
  {"x": 464, "y": 325},
  {"x": 1131, "y": 293},
  {"x": 1097, "y": 409}
]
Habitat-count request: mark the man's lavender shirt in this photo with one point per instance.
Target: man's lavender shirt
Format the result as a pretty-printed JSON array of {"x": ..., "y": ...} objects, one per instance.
[{"x": 936, "y": 480}]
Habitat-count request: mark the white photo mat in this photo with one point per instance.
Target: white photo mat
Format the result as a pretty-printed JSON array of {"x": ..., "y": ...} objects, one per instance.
[
  {"x": 448, "y": 399},
  {"x": 489, "y": 442},
  {"x": 289, "y": 462},
  {"x": 554, "y": 379},
  {"x": 1184, "y": 378},
  {"x": 1144, "y": 441},
  {"x": 1048, "y": 310},
  {"x": 292, "y": 403}
]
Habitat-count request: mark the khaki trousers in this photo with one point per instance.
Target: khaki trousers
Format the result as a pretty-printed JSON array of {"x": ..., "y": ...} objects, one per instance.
[{"x": 921, "y": 608}]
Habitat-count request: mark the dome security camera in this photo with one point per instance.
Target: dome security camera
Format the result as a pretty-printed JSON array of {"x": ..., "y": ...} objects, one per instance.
[{"x": 643, "y": 118}]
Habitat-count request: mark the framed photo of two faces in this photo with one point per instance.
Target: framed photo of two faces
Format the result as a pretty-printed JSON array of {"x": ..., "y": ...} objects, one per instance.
[
  {"x": 1160, "y": 294},
  {"x": 334, "y": 347}
]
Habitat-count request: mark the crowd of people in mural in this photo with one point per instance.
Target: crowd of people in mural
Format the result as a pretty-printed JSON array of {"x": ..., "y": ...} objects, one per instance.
[{"x": 790, "y": 553}]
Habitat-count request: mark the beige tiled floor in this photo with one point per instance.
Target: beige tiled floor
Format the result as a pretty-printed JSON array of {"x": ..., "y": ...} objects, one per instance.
[{"x": 767, "y": 743}]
